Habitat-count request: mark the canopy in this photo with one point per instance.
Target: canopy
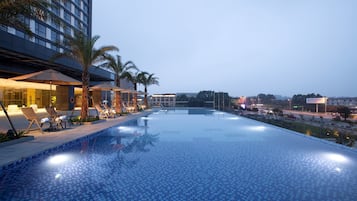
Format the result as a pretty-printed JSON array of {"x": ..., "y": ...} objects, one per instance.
[
  {"x": 106, "y": 87},
  {"x": 49, "y": 76}
]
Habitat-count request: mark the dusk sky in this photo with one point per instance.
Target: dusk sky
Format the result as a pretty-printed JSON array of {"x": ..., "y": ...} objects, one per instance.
[{"x": 243, "y": 47}]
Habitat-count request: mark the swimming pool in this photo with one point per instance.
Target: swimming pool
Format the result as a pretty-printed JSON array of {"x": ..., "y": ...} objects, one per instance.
[{"x": 190, "y": 154}]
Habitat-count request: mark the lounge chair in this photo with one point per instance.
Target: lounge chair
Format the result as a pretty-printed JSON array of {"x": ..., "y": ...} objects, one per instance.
[
  {"x": 56, "y": 118},
  {"x": 129, "y": 108},
  {"x": 31, "y": 116},
  {"x": 102, "y": 113},
  {"x": 110, "y": 110},
  {"x": 71, "y": 116}
]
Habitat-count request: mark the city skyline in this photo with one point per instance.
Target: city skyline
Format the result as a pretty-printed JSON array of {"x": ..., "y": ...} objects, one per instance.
[{"x": 240, "y": 47}]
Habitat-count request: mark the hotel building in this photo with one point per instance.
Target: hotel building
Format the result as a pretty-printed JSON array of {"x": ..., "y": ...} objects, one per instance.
[{"x": 21, "y": 54}]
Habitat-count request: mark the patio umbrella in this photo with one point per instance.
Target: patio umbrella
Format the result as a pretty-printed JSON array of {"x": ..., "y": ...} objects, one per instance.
[
  {"x": 48, "y": 76},
  {"x": 106, "y": 87}
]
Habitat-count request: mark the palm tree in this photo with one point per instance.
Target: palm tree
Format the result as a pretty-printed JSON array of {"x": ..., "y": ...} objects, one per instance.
[
  {"x": 120, "y": 69},
  {"x": 12, "y": 13},
  {"x": 147, "y": 79},
  {"x": 133, "y": 78},
  {"x": 81, "y": 49}
]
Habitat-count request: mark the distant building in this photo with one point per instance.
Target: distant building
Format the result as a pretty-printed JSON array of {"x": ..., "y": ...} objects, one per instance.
[
  {"x": 222, "y": 100},
  {"x": 343, "y": 101},
  {"x": 188, "y": 95},
  {"x": 163, "y": 100}
]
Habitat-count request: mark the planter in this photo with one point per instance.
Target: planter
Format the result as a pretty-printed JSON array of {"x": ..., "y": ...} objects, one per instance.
[
  {"x": 87, "y": 122},
  {"x": 93, "y": 122},
  {"x": 15, "y": 141}
]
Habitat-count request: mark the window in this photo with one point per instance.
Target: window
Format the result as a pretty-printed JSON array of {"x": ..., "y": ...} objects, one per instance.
[
  {"x": 67, "y": 17},
  {"x": 67, "y": 31},
  {"x": 41, "y": 30},
  {"x": 77, "y": 12},
  {"x": 20, "y": 34},
  {"x": 40, "y": 42},
  {"x": 55, "y": 48},
  {"x": 76, "y": 24},
  {"x": 78, "y": 2},
  {"x": 55, "y": 37},
  {"x": 68, "y": 5},
  {"x": 85, "y": 19},
  {"x": 55, "y": 24},
  {"x": 85, "y": 9},
  {"x": 85, "y": 30},
  {"x": 56, "y": 10}
]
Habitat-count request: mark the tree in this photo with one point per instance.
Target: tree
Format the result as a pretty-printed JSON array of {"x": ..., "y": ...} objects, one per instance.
[
  {"x": 266, "y": 98},
  {"x": 81, "y": 49},
  {"x": 12, "y": 13},
  {"x": 147, "y": 79},
  {"x": 344, "y": 111},
  {"x": 133, "y": 78},
  {"x": 205, "y": 98},
  {"x": 299, "y": 100},
  {"x": 182, "y": 97},
  {"x": 120, "y": 69}
]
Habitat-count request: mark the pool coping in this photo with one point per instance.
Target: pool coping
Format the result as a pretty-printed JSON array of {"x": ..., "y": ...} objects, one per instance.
[
  {"x": 24, "y": 138},
  {"x": 16, "y": 154}
]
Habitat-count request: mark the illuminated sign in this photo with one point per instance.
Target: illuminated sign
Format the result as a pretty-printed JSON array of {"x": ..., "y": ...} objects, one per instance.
[{"x": 322, "y": 100}]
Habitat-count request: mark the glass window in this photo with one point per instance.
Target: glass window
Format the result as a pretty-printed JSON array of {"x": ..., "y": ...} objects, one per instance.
[
  {"x": 40, "y": 42},
  {"x": 85, "y": 9},
  {"x": 2, "y": 27},
  {"x": 41, "y": 30},
  {"x": 85, "y": 30},
  {"x": 78, "y": 2},
  {"x": 68, "y": 5},
  {"x": 67, "y": 17},
  {"x": 20, "y": 34},
  {"x": 55, "y": 48},
  {"x": 76, "y": 23},
  {"x": 67, "y": 30},
  {"x": 55, "y": 37},
  {"x": 85, "y": 19},
  {"x": 55, "y": 24},
  {"x": 56, "y": 10},
  {"x": 77, "y": 12}
]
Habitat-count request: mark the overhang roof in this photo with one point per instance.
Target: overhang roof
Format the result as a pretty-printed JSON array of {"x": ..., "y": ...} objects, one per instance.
[{"x": 19, "y": 56}]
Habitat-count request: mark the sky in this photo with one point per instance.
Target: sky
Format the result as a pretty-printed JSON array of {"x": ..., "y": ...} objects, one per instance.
[{"x": 243, "y": 47}]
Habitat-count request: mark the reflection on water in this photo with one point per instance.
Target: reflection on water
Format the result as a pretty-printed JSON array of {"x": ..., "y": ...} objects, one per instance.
[{"x": 123, "y": 139}]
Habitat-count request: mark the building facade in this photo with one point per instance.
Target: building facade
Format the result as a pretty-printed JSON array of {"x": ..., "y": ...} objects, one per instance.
[
  {"x": 163, "y": 100},
  {"x": 343, "y": 101},
  {"x": 21, "y": 54}
]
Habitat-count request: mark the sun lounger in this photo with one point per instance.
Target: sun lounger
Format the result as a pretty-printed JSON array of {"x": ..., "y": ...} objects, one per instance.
[
  {"x": 110, "y": 110},
  {"x": 103, "y": 113},
  {"x": 56, "y": 118},
  {"x": 31, "y": 116},
  {"x": 127, "y": 108},
  {"x": 71, "y": 116}
]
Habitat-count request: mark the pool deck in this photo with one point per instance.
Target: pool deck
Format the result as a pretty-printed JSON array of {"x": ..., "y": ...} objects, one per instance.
[{"x": 41, "y": 142}]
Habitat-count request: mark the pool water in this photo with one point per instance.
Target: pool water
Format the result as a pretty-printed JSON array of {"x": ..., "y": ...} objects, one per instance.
[{"x": 190, "y": 154}]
